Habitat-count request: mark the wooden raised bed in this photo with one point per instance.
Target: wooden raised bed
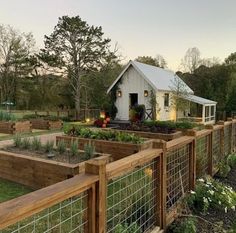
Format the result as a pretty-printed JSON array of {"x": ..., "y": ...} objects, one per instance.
[
  {"x": 117, "y": 150},
  {"x": 15, "y": 127},
  {"x": 163, "y": 136},
  {"x": 36, "y": 172},
  {"x": 46, "y": 124}
]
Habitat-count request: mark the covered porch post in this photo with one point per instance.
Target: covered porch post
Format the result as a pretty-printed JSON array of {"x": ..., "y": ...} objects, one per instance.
[{"x": 203, "y": 113}]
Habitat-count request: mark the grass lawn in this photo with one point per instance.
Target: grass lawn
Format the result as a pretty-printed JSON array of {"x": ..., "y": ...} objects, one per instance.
[{"x": 10, "y": 190}]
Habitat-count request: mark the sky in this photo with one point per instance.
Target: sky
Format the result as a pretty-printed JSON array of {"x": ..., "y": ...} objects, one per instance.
[{"x": 141, "y": 28}]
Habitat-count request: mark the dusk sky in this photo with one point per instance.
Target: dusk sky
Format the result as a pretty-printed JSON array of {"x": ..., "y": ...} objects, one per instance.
[{"x": 139, "y": 27}]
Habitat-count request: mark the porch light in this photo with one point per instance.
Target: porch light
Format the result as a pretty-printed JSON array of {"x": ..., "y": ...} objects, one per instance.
[
  {"x": 119, "y": 93},
  {"x": 146, "y": 93}
]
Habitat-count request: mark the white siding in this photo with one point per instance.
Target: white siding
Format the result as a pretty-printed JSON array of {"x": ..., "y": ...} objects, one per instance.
[{"x": 132, "y": 82}]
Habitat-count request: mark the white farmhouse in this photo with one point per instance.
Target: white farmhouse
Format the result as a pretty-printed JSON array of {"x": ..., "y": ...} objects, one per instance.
[{"x": 138, "y": 82}]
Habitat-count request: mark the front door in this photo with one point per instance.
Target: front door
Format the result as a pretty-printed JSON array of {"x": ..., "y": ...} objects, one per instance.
[{"x": 133, "y": 100}]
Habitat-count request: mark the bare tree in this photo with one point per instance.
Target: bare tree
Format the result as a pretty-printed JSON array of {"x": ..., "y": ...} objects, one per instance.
[
  {"x": 179, "y": 94},
  {"x": 191, "y": 60}
]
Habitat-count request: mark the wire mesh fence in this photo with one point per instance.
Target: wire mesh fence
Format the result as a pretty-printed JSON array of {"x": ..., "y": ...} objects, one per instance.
[
  {"x": 227, "y": 139},
  {"x": 131, "y": 203},
  {"x": 216, "y": 148},
  {"x": 68, "y": 216},
  {"x": 177, "y": 170},
  {"x": 202, "y": 155}
]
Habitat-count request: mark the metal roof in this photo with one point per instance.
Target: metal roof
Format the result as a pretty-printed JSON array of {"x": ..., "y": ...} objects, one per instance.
[
  {"x": 158, "y": 78},
  {"x": 199, "y": 100}
]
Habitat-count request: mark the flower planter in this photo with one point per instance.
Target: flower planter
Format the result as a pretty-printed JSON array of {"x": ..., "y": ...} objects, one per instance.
[
  {"x": 15, "y": 127},
  {"x": 36, "y": 172},
  {"x": 117, "y": 150},
  {"x": 46, "y": 124}
]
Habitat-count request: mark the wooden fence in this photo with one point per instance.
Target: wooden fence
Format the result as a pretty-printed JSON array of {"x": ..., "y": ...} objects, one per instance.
[
  {"x": 70, "y": 113},
  {"x": 141, "y": 191}
]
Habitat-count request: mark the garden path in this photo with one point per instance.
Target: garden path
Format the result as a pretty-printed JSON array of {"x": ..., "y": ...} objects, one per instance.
[{"x": 43, "y": 137}]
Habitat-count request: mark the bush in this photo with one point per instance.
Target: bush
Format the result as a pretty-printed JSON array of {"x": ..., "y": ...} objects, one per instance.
[
  {"x": 36, "y": 143},
  {"x": 89, "y": 151},
  {"x": 6, "y": 116},
  {"x": 17, "y": 140},
  {"x": 48, "y": 147},
  {"x": 30, "y": 116},
  {"x": 74, "y": 148},
  {"x": 210, "y": 193},
  {"x": 231, "y": 160},
  {"x": 186, "y": 225},
  {"x": 25, "y": 143},
  {"x": 224, "y": 169},
  {"x": 61, "y": 146}
]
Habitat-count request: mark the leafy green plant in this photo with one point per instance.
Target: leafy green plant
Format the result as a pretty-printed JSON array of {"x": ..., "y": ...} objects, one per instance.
[
  {"x": 186, "y": 225},
  {"x": 36, "y": 143},
  {"x": 109, "y": 135},
  {"x": 89, "y": 151},
  {"x": 210, "y": 193},
  {"x": 48, "y": 147},
  {"x": 74, "y": 148},
  {"x": 25, "y": 143},
  {"x": 224, "y": 169},
  {"x": 231, "y": 160},
  {"x": 126, "y": 228},
  {"x": 61, "y": 146},
  {"x": 17, "y": 140}
]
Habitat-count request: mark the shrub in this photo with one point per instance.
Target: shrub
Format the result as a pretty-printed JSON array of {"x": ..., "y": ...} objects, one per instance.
[
  {"x": 17, "y": 140},
  {"x": 25, "y": 143},
  {"x": 186, "y": 225},
  {"x": 224, "y": 169},
  {"x": 48, "y": 147},
  {"x": 98, "y": 122},
  {"x": 61, "y": 146},
  {"x": 211, "y": 193},
  {"x": 89, "y": 151},
  {"x": 30, "y": 116},
  {"x": 74, "y": 148},
  {"x": 231, "y": 160},
  {"x": 36, "y": 143},
  {"x": 6, "y": 116}
]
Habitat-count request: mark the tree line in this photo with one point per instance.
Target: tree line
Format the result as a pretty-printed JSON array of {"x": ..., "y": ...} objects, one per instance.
[{"x": 78, "y": 64}]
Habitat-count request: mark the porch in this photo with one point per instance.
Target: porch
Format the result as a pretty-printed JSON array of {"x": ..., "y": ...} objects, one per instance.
[{"x": 201, "y": 110}]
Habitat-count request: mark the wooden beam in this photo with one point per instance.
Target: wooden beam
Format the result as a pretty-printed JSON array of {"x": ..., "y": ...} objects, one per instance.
[{"x": 98, "y": 167}]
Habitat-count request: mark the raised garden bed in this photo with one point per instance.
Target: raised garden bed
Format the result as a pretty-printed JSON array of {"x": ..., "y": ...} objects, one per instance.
[
  {"x": 35, "y": 170},
  {"x": 46, "y": 124},
  {"x": 163, "y": 136},
  {"x": 9, "y": 127},
  {"x": 117, "y": 150}
]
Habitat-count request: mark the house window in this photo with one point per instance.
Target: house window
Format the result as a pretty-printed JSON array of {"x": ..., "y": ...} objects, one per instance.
[{"x": 166, "y": 100}]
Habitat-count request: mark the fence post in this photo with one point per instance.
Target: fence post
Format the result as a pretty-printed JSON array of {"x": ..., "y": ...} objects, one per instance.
[
  {"x": 210, "y": 144},
  {"x": 222, "y": 137},
  {"x": 162, "y": 187},
  {"x": 231, "y": 135},
  {"x": 97, "y": 166}
]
